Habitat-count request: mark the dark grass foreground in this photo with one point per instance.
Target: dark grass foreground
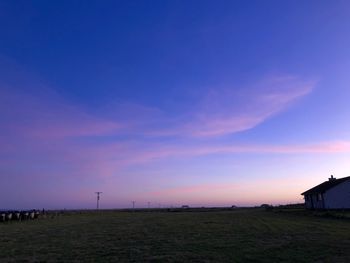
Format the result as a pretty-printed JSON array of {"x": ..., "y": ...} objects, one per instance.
[{"x": 219, "y": 236}]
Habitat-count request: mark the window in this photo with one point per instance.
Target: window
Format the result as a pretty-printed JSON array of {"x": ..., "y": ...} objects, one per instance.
[{"x": 319, "y": 197}]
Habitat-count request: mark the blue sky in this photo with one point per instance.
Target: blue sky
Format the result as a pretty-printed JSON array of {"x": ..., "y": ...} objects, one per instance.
[{"x": 172, "y": 102}]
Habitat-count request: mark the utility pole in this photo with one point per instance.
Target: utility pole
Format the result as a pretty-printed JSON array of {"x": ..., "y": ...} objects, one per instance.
[
  {"x": 98, "y": 200},
  {"x": 133, "y": 205},
  {"x": 149, "y": 205}
]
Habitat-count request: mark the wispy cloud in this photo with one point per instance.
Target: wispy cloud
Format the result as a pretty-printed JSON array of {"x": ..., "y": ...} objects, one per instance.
[
  {"x": 215, "y": 113},
  {"x": 230, "y": 110},
  {"x": 44, "y": 135},
  {"x": 42, "y": 126},
  {"x": 219, "y": 111},
  {"x": 185, "y": 151}
]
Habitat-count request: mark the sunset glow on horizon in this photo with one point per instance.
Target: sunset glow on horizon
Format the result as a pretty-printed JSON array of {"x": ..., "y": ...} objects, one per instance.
[{"x": 172, "y": 103}]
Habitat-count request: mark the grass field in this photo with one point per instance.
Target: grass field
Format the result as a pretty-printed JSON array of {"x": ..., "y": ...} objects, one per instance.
[{"x": 250, "y": 235}]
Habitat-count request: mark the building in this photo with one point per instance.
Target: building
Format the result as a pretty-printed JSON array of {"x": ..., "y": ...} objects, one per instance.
[{"x": 332, "y": 194}]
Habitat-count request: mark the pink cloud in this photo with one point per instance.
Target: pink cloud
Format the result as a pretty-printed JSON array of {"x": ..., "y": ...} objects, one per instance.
[
  {"x": 160, "y": 152},
  {"x": 46, "y": 138},
  {"x": 220, "y": 112},
  {"x": 109, "y": 160},
  {"x": 42, "y": 127},
  {"x": 139, "y": 154},
  {"x": 37, "y": 127},
  {"x": 224, "y": 111}
]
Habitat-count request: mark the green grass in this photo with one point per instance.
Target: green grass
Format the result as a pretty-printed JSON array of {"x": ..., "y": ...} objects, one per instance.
[{"x": 217, "y": 236}]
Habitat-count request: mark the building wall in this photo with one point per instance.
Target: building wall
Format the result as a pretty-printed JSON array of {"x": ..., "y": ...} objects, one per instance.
[
  {"x": 308, "y": 203},
  {"x": 318, "y": 204},
  {"x": 338, "y": 197},
  {"x": 313, "y": 202}
]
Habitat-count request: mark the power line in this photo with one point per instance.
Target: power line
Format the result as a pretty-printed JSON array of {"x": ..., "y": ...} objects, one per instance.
[{"x": 98, "y": 200}]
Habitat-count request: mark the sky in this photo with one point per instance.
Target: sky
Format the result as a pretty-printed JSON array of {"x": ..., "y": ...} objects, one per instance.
[{"x": 200, "y": 103}]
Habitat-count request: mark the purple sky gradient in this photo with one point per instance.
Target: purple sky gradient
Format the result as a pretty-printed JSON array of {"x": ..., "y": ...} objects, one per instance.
[{"x": 204, "y": 109}]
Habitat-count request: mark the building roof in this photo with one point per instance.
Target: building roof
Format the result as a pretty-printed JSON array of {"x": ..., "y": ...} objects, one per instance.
[{"x": 321, "y": 188}]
